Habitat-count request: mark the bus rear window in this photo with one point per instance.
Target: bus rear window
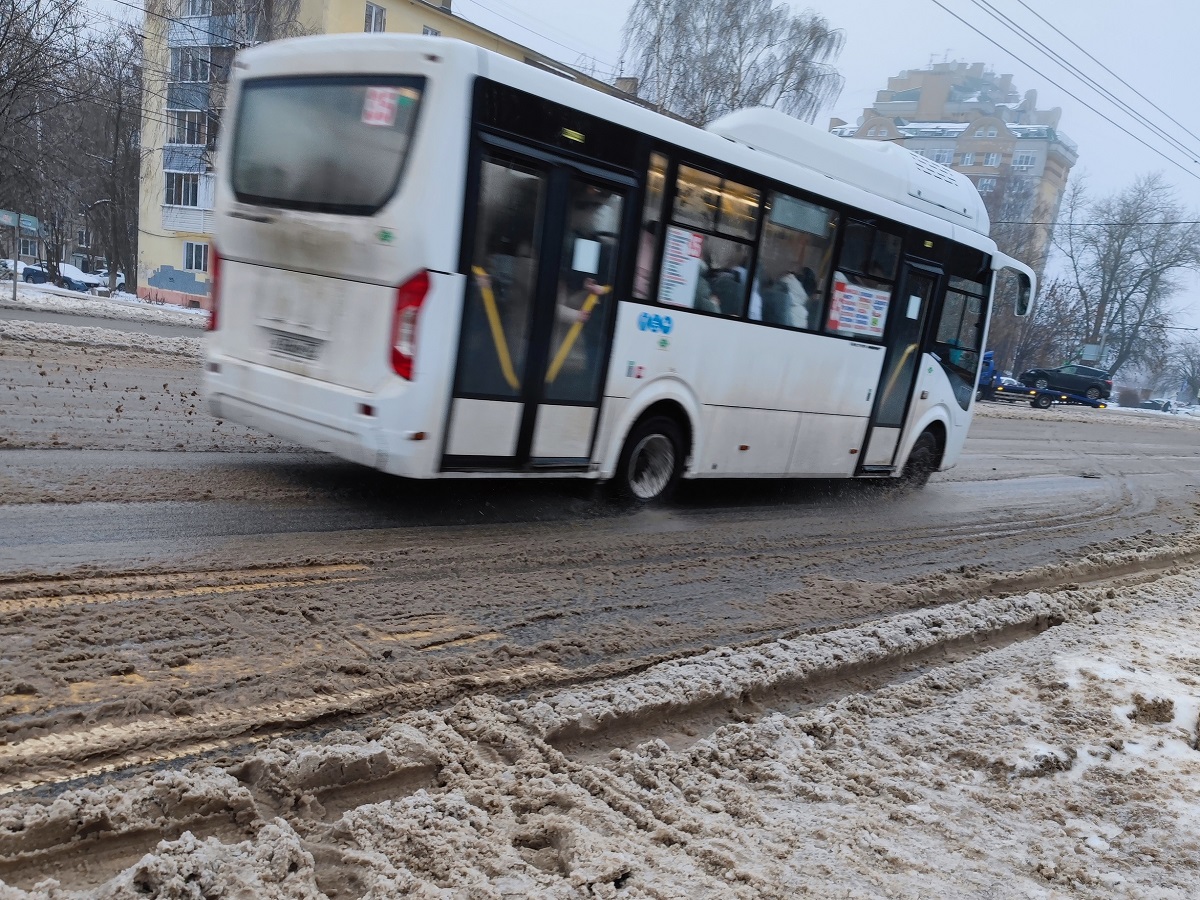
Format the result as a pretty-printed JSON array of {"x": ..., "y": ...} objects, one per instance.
[{"x": 327, "y": 144}]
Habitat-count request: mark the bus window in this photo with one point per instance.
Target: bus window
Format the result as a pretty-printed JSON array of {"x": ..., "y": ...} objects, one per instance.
[
  {"x": 958, "y": 337},
  {"x": 651, "y": 215},
  {"x": 863, "y": 282},
  {"x": 336, "y": 144},
  {"x": 703, "y": 272},
  {"x": 793, "y": 262},
  {"x": 710, "y": 202},
  {"x": 585, "y": 283},
  {"x": 500, "y": 291}
]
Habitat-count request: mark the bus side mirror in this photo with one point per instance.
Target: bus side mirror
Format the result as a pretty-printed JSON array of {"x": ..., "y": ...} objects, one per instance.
[{"x": 1024, "y": 294}]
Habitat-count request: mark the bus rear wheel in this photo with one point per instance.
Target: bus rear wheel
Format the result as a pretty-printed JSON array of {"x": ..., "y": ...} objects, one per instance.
[{"x": 651, "y": 461}]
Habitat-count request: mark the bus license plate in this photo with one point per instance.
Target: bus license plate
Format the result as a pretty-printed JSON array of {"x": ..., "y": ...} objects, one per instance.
[{"x": 295, "y": 345}]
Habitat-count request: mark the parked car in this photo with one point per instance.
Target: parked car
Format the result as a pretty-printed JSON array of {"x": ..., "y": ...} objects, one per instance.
[
  {"x": 1160, "y": 404},
  {"x": 119, "y": 286},
  {"x": 74, "y": 278},
  {"x": 34, "y": 275},
  {"x": 1095, "y": 384},
  {"x": 6, "y": 268}
]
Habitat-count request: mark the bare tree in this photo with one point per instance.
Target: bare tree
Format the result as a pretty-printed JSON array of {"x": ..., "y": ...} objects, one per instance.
[
  {"x": 704, "y": 58},
  {"x": 112, "y": 148},
  {"x": 1019, "y": 342},
  {"x": 1125, "y": 255},
  {"x": 39, "y": 48},
  {"x": 1184, "y": 359}
]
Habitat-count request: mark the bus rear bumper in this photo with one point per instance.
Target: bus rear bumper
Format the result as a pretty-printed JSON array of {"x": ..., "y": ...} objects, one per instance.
[{"x": 347, "y": 423}]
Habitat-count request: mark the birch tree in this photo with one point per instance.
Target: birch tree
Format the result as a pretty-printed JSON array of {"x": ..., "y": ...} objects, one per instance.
[{"x": 700, "y": 59}]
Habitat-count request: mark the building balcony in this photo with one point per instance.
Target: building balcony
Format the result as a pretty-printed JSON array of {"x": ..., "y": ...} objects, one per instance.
[{"x": 189, "y": 219}]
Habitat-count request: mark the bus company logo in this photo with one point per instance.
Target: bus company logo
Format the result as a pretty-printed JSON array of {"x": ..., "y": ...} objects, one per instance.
[{"x": 655, "y": 324}]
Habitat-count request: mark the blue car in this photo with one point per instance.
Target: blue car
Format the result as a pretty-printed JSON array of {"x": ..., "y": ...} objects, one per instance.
[{"x": 35, "y": 275}]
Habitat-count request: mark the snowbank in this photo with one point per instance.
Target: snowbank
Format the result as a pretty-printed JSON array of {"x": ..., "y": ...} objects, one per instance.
[{"x": 1040, "y": 746}]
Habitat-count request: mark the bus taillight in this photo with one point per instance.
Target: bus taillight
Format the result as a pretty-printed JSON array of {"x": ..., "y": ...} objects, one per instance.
[
  {"x": 214, "y": 287},
  {"x": 409, "y": 297}
]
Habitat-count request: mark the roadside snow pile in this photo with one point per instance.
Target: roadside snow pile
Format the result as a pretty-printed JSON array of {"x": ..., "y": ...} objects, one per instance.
[
  {"x": 1108, "y": 416},
  {"x": 90, "y": 336},
  {"x": 994, "y": 763},
  {"x": 123, "y": 306}
]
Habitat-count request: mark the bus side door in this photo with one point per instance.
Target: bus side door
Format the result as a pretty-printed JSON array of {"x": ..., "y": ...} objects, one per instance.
[
  {"x": 917, "y": 290},
  {"x": 538, "y": 313}
]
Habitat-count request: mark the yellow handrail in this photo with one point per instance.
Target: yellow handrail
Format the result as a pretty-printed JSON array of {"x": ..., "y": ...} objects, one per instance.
[
  {"x": 489, "y": 305},
  {"x": 573, "y": 334}
]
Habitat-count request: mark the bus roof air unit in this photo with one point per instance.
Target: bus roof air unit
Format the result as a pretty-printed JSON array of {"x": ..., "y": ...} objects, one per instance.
[{"x": 879, "y": 167}]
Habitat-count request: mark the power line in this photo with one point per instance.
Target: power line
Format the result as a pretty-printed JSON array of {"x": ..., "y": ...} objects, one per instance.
[
  {"x": 611, "y": 68},
  {"x": 1037, "y": 71},
  {"x": 1087, "y": 80},
  {"x": 1111, "y": 72}
]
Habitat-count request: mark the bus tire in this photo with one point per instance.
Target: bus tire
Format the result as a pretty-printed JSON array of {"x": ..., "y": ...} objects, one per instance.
[
  {"x": 651, "y": 461},
  {"x": 922, "y": 462},
  {"x": 1042, "y": 401}
]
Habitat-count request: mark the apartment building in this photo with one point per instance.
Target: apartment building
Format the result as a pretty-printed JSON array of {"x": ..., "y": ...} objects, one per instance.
[
  {"x": 976, "y": 122},
  {"x": 190, "y": 46}
]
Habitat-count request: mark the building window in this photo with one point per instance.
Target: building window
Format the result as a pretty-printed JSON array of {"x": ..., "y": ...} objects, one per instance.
[
  {"x": 431, "y": 32},
  {"x": 189, "y": 64},
  {"x": 992, "y": 132},
  {"x": 197, "y": 8},
  {"x": 187, "y": 127},
  {"x": 987, "y": 185},
  {"x": 978, "y": 132},
  {"x": 375, "y": 18},
  {"x": 871, "y": 133},
  {"x": 195, "y": 257},
  {"x": 220, "y": 59},
  {"x": 991, "y": 159},
  {"x": 182, "y": 189},
  {"x": 29, "y": 247},
  {"x": 1024, "y": 160},
  {"x": 943, "y": 156},
  {"x": 968, "y": 159}
]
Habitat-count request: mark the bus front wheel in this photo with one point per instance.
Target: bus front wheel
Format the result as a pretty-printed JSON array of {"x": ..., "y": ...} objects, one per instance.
[
  {"x": 651, "y": 461},
  {"x": 922, "y": 462}
]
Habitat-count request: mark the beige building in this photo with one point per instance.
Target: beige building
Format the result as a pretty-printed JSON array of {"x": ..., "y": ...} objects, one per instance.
[
  {"x": 977, "y": 123},
  {"x": 189, "y": 47}
]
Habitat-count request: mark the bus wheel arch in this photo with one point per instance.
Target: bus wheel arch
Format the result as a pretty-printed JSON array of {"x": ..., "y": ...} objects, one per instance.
[{"x": 654, "y": 454}]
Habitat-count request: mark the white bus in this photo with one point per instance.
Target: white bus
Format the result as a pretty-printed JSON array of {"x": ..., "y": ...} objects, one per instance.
[{"x": 440, "y": 262}]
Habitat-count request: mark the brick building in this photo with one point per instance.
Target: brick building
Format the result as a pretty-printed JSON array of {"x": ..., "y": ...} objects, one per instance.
[{"x": 978, "y": 123}]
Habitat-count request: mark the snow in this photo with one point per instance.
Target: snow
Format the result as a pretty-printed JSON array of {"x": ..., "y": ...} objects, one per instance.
[
  {"x": 44, "y": 297},
  {"x": 1041, "y": 745}
]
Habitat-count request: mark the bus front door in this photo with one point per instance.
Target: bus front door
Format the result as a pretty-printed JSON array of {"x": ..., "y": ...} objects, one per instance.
[
  {"x": 537, "y": 316},
  {"x": 917, "y": 288}
]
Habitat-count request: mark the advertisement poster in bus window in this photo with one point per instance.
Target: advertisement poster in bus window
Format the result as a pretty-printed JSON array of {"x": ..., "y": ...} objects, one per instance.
[
  {"x": 858, "y": 311},
  {"x": 680, "y": 267},
  {"x": 379, "y": 106}
]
